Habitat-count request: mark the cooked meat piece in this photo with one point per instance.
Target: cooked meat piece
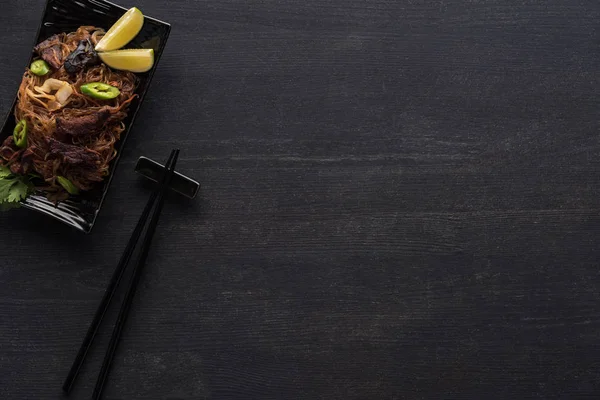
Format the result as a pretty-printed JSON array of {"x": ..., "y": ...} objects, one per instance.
[
  {"x": 72, "y": 154},
  {"x": 15, "y": 168},
  {"x": 8, "y": 149},
  {"x": 23, "y": 163},
  {"x": 5, "y": 154},
  {"x": 51, "y": 50},
  {"x": 8, "y": 142},
  {"x": 85, "y": 125},
  {"x": 27, "y": 161}
]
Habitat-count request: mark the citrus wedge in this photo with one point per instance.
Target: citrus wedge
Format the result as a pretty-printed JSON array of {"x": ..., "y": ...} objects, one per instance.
[
  {"x": 134, "y": 60},
  {"x": 123, "y": 31}
]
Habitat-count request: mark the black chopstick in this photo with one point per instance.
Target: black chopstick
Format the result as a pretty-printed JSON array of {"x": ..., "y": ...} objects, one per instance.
[
  {"x": 115, "y": 280},
  {"x": 137, "y": 273}
]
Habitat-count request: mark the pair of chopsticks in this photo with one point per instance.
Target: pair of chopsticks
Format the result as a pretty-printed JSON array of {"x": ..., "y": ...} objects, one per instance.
[{"x": 155, "y": 202}]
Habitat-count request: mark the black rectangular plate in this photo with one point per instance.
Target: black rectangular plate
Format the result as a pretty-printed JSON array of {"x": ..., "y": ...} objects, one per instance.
[{"x": 81, "y": 212}]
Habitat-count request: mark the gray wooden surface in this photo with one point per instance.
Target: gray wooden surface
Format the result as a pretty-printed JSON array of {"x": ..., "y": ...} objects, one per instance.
[{"x": 400, "y": 201}]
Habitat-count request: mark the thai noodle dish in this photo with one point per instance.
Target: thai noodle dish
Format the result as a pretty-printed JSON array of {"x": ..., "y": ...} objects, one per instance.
[{"x": 71, "y": 104}]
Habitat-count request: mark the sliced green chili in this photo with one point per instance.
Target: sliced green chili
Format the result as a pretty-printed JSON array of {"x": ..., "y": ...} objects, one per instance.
[
  {"x": 20, "y": 134},
  {"x": 39, "y": 67},
  {"x": 99, "y": 90},
  {"x": 68, "y": 185}
]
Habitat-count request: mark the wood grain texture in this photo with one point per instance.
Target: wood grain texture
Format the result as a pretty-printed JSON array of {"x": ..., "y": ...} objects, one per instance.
[{"x": 400, "y": 201}]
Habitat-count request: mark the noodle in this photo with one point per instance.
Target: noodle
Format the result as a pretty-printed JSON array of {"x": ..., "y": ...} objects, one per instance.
[{"x": 40, "y": 113}]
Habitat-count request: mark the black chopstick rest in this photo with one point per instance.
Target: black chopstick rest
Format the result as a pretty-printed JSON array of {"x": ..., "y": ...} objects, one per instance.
[{"x": 180, "y": 183}]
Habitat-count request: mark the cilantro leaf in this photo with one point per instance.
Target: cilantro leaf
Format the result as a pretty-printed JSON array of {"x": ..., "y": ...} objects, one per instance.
[
  {"x": 5, "y": 184},
  {"x": 18, "y": 191},
  {"x": 4, "y": 171},
  {"x": 13, "y": 189}
]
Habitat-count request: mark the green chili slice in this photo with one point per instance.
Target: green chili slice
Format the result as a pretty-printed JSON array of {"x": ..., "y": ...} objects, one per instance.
[
  {"x": 20, "y": 134},
  {"x": 39, "y": 67},
  {"x": 99, "y": 90},
  {"x": 68, "y": 185}
]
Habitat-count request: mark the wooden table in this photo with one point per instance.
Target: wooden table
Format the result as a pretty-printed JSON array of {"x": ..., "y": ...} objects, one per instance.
[{"x": 400, "y": 201}]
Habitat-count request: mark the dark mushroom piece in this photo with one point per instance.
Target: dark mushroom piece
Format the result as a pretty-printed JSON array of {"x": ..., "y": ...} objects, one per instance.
[{"x": 81, "y": 57}]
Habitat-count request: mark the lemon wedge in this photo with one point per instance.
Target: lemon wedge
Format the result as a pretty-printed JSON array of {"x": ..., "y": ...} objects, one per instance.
[
  {"x": 134, "y": 60},
  {"x": 123, "y": 31}
]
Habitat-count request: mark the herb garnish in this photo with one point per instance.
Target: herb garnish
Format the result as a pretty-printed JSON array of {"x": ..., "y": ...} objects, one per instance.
[{"x": 13, "y": 189}]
